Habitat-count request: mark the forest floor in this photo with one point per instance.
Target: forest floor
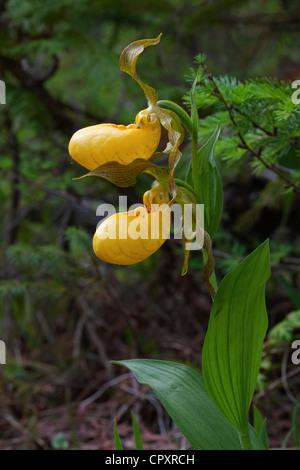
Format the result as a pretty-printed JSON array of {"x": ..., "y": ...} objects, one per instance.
[
  {"x": 62, "y": 391},
  {"x": 50, "y": 401}
]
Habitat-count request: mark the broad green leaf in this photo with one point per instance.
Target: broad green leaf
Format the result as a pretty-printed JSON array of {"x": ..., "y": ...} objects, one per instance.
[
  {"x": 209, "y": 183},
  {"x": 233, "y": 344},
  {"x": 124, "y": 175},
  {"x": 128, "y": 61},
  {"x": 182, "y": 392}
]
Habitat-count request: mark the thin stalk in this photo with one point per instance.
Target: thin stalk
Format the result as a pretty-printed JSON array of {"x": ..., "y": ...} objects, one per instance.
[{"x": 70, "y": 419}]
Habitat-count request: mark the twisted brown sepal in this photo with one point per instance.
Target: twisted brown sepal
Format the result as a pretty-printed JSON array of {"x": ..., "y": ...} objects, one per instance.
[
  {"x": 209, "y": 265},
  {"x": 124, "y": 175},
  {"x": 171, "y": 122},
  {"x": 128, "y": 61},
  {"x": 184, "y": 196},
  {"x": 168, "y": 119}
]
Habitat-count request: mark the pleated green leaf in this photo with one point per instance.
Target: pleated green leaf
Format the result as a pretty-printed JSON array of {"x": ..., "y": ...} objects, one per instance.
[
  {"x": 182, "y": 392},
  {"x": 233, "y": 344}
]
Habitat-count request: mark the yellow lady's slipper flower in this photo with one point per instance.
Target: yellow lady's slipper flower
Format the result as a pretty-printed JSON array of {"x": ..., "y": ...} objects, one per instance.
[
  {"x": 95, "y": 145},
  {"x": 130, "y": 237}
]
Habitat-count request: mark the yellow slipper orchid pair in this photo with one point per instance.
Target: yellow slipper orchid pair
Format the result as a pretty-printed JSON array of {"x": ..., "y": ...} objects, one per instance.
[{"x": 126, "y": 237}]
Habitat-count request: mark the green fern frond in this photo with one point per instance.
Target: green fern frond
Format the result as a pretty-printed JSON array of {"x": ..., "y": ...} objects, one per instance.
[{"x": 283, "y": 331}]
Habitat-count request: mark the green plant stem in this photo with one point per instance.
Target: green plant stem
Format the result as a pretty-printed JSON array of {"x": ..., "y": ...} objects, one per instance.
[{"x": 245, "y": 440}]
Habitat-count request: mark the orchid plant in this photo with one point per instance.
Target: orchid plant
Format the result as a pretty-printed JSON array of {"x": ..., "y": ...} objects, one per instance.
[{"x": 210, "y": 406}]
